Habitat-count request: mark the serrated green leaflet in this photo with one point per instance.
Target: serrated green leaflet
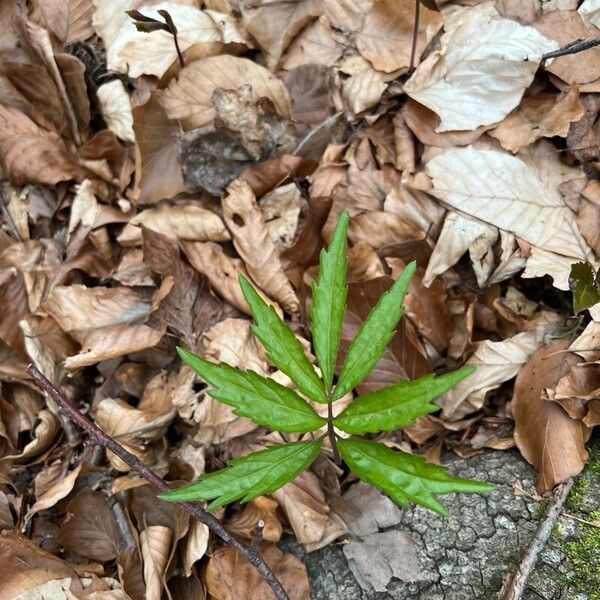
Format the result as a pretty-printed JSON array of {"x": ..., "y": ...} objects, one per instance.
[
  {"x": 329, "y": 300},
  {"x": 263, "y": 400},
  {"x": 283, "y": 349},
  {"x": 403, "y": 477},
  {"x": 369, "y": 344},
  {"x": 251, "y": 476},
  {"x": 397, "y": 405},
  {"x": 585, "y": 285}
]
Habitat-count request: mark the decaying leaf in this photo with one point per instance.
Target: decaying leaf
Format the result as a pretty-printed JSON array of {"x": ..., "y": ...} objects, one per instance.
[
  {"x": 544, "y": 433},
  {"x": 484, "y": 65}
]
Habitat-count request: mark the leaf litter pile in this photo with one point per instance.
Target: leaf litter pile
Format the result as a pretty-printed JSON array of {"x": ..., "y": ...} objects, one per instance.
[{"x": 150, "y": 158}]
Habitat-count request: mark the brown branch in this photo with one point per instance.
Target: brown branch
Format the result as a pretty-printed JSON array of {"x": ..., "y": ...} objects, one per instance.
[
  {"x": 514, "y": 588},
  {"x": 103, "y": 439},
  {"x": 579, "y": 45},
  {"x": 413, "y": 50}
]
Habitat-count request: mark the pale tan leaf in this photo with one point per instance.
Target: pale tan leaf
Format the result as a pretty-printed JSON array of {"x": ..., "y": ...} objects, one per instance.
[
  {"x": 110, "y": 17},
  {"x": 541, "y": 263},
  {"x": 457, "y": 236},
  {"x": 563, "y": 27},
  {"x": 194, "y": 545},
  {"x": 382, "y": 230},
  {"x": 480, "y": 71},
  {"x": 30, "y": 154},
  {"x": 115, "y": 106},
  {"x": 363, "y": 89},
  {"x": 496, "y": 362},
  {"x": 109, "y": 342},
  {"x": 43, "y": 436},
  {"x": 260, "y": 509},
  {"x": 156, "y": 546},
  {"x": 545, "y": 435},
  {"x": 313, "y": 45},
  {"x": 281, "y": 208},
  {"x": 274, "y": 25},
  {"x": 221, "y": 270},
  {"x": 504, "y": 191},
  {"x": 158, "y": 172},
  {"x": 347, "y": 14},
  {"x": 590, "y": 10},
  {"x": 542, "y": 115},
  {"x": 587, "y": 343},
  {"x": 69, "y": 20},
  {"x": 189, "y": 97},
  {"x": 229, "y": 577},
  {"x": 254, "y": 245},
  {"x": 387, "y": 36},
  {"x": 57, "y": 491},
  {"x": 136, "y": 52},
  {"x": 187, "y": 222},
  {"x": 79, "y": 308}
]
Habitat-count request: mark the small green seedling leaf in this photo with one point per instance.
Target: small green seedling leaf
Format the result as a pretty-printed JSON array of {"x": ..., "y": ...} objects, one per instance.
[
  {"x": 370, "y": 342},
  {"x": 397, "y": 405},
  {"x": 329, "y": 301},
  {"x": 262, "y": 400},
  {"x": 585, "y": 285},
  {"x": 283, "y": 349},
  {"x": 251, "y": 476},
  {"x": 403, "y": 477}
]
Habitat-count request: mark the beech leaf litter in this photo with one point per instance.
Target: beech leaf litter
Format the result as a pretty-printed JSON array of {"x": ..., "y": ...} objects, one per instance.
[{"x": 153, "y": 153}]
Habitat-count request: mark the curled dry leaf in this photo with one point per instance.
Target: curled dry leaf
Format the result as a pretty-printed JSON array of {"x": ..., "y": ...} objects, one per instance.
[
  {"x": 260, "y": 509},
  {"x": 189, "y": 97},
  {"x": 155, "y": 544},
  {"x": 363, "y": 89},
  {"x": 253, "y": 243},
  {"x": 31, "y": 154},
  {"x": 484, "y": 65},
  {"x": 57, "y": 491},
  {"x": 115, "y": 106},
  {"x": 194, "y": 545},
  {"x": 230, "y": 577},
  {"x": 387, "y": 36},
  {"x": 544, "y": 433},
  {"x": 578, "y": 392},
  {"x": 187, "y": 222},
  {"x": 496, "y": 362}
]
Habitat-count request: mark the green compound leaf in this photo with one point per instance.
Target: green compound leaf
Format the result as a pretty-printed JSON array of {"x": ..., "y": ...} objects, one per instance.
[
  {"x": 585, "y": 285},
  {"x": 370, "y": 342},
  {"x": 397, "y": 405},
  {"x": 263, "y": 400},
  {"x": 248, "y": 477},
  {"x": 283, "y": 349},
  {"x": 329, "y": 300},
  {"x": 403, "y": 477}
]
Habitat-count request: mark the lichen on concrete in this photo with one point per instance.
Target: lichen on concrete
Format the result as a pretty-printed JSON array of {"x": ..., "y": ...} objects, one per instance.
[{"x": 466, "y": 555}]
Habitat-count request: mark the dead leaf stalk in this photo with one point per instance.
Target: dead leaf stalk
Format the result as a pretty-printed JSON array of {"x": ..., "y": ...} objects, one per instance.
[
  {"x": 413, "y": 49},
  {"x": 250, "y": 553},
  {"x": 331, "y": 432},
  {"x": 515, "y": 586},
  {"x": 579, "y": 45}
]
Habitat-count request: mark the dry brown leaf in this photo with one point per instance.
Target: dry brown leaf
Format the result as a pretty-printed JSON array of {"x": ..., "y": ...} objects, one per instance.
[
  {"x": 109, "y": 342},
  {"x": 363, "y": 89},
  {"x": 158, "y": 172},
  {"x": 387, "y": 36},
  {"x": 545, "y": 435},
  {"x": 260, "y": 509},
  {"x": 281, "y": 210},
  {"x": 542, "y": 115},
  {"x": 347, "y": 14},
  {"x": 523, "y": 11},
  {"x": 313, "y": 45},
  {"x": 115, "y": 105},
  {"x": 31, "y": 154},
  {"x": 364, "y": 263},
  {"x": 155, "y": 544},
  {"x": 230, "y": 577},
  {"x": 264, "y": 176},
  {"x": 69, "y": 20},
  {"x": 587, "y": 220},
  {"x": 274, "y": 25},
  {"x": 59, "y": 489},
  {"x": 187, "y": 222},
  {"x": 564, "y": 26},
  {"x": 90, "y": 528},
  {"x": 254, "y": 245},
  {"x": 578, "y": 392},
  {"x": 189, "y": 97}
]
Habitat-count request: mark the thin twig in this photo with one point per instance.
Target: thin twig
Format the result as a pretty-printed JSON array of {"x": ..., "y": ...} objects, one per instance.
[
  {"x": 314, "y": 130},
  {"x": 413, "y": 50},
  {"x": 179, "y": 54},
  {"x": 579, "y": 45},
  {"x": 103, "y": 439},
  {"x": 514, "y": 588},
  {"x": 331, "y": 432}
]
